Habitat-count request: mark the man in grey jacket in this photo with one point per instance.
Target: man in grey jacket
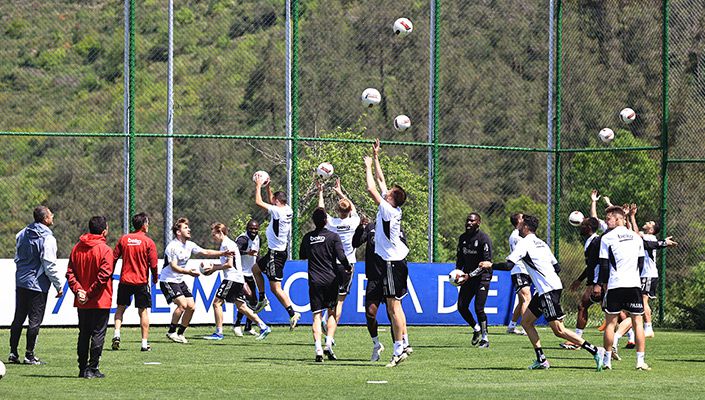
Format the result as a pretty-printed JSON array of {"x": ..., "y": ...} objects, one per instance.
[{"x": 35, "y": 259}]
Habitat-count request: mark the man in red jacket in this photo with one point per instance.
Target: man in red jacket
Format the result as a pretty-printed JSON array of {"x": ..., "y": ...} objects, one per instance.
[
  {"x": 89, "y": 275},
  {"x": 139, "y": 256}
]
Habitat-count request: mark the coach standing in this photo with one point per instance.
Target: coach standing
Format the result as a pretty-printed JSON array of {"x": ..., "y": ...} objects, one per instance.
[
  {"x": 35, "y": 259},
  {"x": 89, "y": 274}
]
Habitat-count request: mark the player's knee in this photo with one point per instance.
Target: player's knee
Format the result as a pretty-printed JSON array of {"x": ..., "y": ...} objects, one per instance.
[{"x": 558, "y": 330}]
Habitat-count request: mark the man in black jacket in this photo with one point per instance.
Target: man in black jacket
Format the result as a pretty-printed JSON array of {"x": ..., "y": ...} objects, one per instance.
[
  {"x": 474, "y": 246},
  {"x": 322, "y": 248}
]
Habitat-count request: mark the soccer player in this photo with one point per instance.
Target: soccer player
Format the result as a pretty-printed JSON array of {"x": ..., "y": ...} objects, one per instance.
[
  {"x": 90, "y": 277},
  {"x": 327, "y": 267},
  {"x": 35, "y": 259},
  {"x": 248, "y": 244},
  {"x": 621, "y": 259},
  {"x": 272, "y": 264},
  {"x": 344, "y": 225},
  {"x": 474, "y": 246},
  {"x": 588, "y": 231},
  {"x": 544, "y": 268},
  {"x": 139, "y": 256},
  {"x": 171, "y": 280},
  {"x": 232, "y": 285},
  {"x": 390, "y": 250},
  {"x": 520, "y": 278}
]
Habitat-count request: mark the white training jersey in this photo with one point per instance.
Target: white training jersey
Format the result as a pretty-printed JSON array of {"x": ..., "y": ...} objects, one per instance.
[
  {"x": 235, "y": 273},
  {"x": 539, "y": 261},
  {"x": 388, "y": 243},
  {"x": 519, "y": 267},
  {"x": 279, "y": 227},
  {"x": 603, "y": 225},
  {"x": 247, "y": 260},
  {"x": 181, "y": 253},
  {"x": 596, "y": 267},
  {"x": 345, "y": 228},
  {"x": 650, "y": 270},
  {"x": 622, "y": 248}
]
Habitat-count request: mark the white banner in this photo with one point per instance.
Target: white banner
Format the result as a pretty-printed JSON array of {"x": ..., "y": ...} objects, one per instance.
[{"x": 60, "y": 311}]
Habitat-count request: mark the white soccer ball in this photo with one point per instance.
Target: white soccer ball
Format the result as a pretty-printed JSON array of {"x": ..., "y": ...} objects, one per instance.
[
  {"x": 627, "y": 115},
  {"x": 454, "y": 275},
  {"x": 576, "y": 218},
  {"x": 606, "y": 135},
  {"x": 371, "y": 97},
  {"x": 3, "y": 370},
  {"x": 402, "y": 122},
  {"x": 264, "y": 175},
  {"x": 403, "y": 26},
  {"x": 325, "y": 170}
]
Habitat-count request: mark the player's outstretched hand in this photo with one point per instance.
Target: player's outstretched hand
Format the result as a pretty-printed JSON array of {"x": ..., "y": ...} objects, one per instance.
[
  {"x": 594, "y": 196},
  {"x": 596, "y": 291},
  {"x": 368, "y": 161},
  {"x": 376, "y": 147},
  {"x": 607, "y": 201},
  {"x": 485, "y": 264},
  {"x": 671, "y": 243},
  {"x": 194, "y": 273}
]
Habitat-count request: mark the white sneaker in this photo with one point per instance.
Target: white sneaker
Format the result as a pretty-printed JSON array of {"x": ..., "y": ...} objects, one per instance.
[
  {"x": 173, "y": 336},
  {"x": 182, "y": 339},
  {"x": 237, "y": 331},
  {"x": 642, "y": 366},
  {"x": 516, "y": 331},
  {"x": 252, "y": 332},
  {"x": 396, "y": 360},
  {"x": 376, "y": 351}
]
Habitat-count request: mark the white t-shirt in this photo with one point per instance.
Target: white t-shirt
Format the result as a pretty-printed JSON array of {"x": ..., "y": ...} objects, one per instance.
[
  {"x": 247, "y": 260},
  {"x": 650, "y": 270},
  {"x": 388, "y": 244},
  {"x": 603, "y": 225},
  {"x": 345, "y": 228},
  {"x": 539, "y": 261},
  {"x": 622, "y": 248},
  {"x": 279, "y": 227},
  {"x": 181, "y": 253},
  {"x": 519, "y": 267},
  {"x": 235, "y": 273}
]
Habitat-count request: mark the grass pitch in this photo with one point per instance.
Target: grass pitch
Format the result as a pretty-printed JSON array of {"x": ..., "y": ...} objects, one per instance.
[{"x": 443, "y": 365}]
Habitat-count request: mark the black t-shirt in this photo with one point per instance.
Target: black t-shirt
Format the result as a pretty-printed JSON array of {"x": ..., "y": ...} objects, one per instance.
[
  {"x": 473, "y": 248},
  {"x": 322, "y": 248},
  {"x": 592, "y": 261}
]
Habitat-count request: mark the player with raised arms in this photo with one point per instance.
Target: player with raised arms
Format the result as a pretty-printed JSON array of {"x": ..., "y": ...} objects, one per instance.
[
  {"x": 390, "y": 250},
  {"x": 272, "y": 264}
]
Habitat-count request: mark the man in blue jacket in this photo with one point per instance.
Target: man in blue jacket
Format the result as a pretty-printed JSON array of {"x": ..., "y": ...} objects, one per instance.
[{"x": 35, "y": 258}]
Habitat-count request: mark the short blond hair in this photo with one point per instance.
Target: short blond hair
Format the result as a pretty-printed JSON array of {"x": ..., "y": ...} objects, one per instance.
[{"x": 344, "y": 205}]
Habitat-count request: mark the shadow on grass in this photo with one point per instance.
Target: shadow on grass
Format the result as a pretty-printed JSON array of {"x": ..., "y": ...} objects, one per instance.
[
  {"x": 54, "y": 376},
  {"x": 688, "y": 360}
]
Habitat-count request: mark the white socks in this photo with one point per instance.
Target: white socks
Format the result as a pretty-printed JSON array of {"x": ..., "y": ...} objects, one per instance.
[
  {"x": 117, "y": 333},
  {"x": 319, "y": 348},
  {"x": 579, "y": 332},
  {"x": 630, "y": 335},
  {"x": 512, "y": 324},
  {"x": 144, "y": 343},
  {"x": 398, "y": 348}
]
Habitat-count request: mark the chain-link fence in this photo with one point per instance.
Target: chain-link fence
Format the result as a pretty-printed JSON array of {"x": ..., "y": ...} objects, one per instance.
[{"x": 474, "y": 78}]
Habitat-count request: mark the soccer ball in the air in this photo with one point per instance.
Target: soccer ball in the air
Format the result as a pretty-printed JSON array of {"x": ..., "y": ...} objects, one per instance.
[
  {"x": 402, "y": 122},
  {"x": 264, "y": 175},
  {"x": 575, "y": 218},
  {"x": 3, "y": 370},
  {"x": 371, "y": 97},
  {"x": 454, "y": 276},
  {"x": 325, "y": 169},
  {"x": 606, "y": 135},
  {"x": 627, "y": 115},
  {"x": 403, "y": 26}
]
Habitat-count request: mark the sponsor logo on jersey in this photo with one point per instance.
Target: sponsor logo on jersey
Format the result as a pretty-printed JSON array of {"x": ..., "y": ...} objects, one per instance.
[
  {"x": 133, "y": 242},
  {"x": 317, "y": 239}
]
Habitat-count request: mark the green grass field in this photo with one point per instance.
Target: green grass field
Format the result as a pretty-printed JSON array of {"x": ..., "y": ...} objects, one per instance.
[{"x": 443, "y": 365}]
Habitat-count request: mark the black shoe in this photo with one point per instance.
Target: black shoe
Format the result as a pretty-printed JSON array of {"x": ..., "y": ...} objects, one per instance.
[
  {"x": 116, "y": 343},
  {"x": 31, "y": 360},
  {"x": 329, "y": 353},
  {"x": 484, "y": 344},
  {"x": 13, "y": 359},
  {"x": 94, "y": 373},
  {"x": 476, "y": 337},
  {"x": 148, "y": 348},
  {"x": 319, "y": 358},
  {"x": 81, "y": 373}
]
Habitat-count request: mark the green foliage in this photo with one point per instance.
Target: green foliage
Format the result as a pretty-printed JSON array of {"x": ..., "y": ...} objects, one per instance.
[
  {"x": 16, "y": 28},
  {"x": 348, "y": 163},
  {"x": 626, "y": 177},
  {"x": 89, "y": 48},
  {"x": 690, "y": 300},
  {"x": 184, "y": 16},
  {"x": 53, "y": 58}
]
